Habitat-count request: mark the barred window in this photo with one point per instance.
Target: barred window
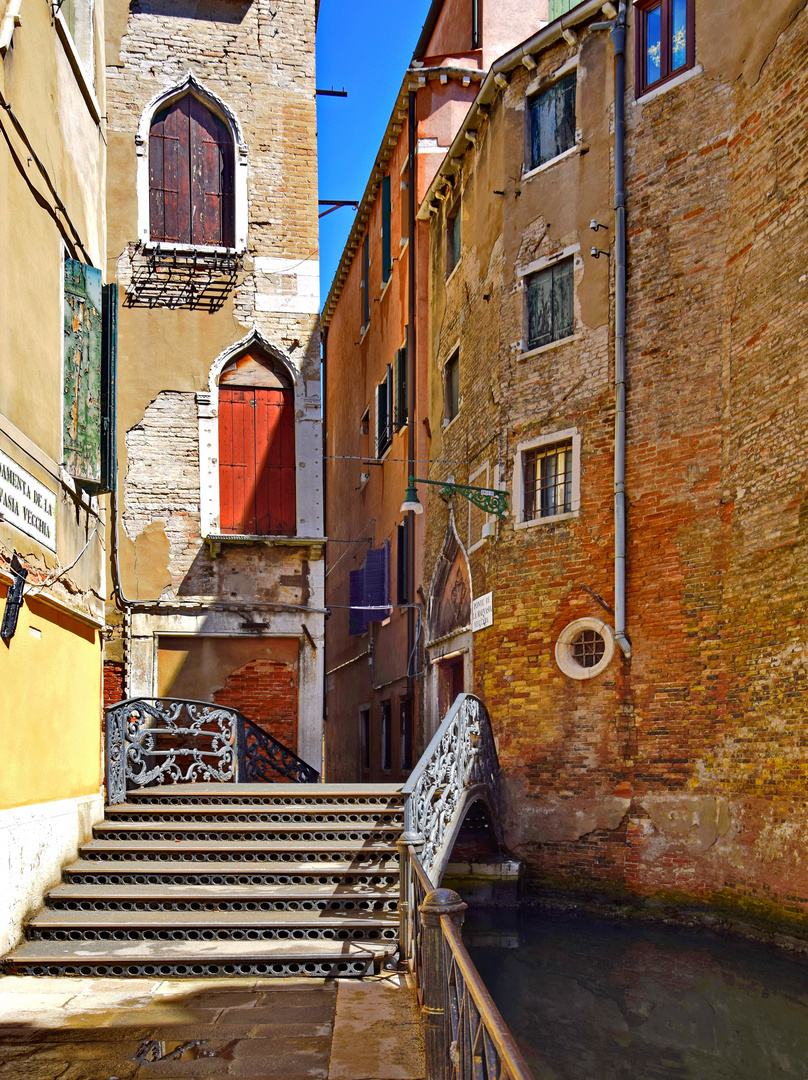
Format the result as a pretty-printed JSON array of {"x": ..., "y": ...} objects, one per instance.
[
  {"x": 550, "y": 312},
  {"x": 547, "y": 480},
  {"x": 552, "y": 121}
]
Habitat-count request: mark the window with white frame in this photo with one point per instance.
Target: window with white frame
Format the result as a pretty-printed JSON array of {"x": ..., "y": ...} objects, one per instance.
[
  {"x": 551, "y": 117},
  {"x": 191, "y": 171},
  {"x": 547, "y": 477}
]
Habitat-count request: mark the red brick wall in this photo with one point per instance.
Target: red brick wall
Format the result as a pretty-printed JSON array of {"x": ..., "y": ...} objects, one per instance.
[
  {"x": 266, "y": 692},
  {"x": 113, "y": 683}
]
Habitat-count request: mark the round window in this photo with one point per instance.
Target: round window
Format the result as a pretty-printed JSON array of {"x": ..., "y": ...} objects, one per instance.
[{"x": 584, "y": 648}]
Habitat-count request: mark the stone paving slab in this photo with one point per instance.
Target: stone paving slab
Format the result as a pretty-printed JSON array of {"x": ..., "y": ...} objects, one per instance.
[{"x": 255, "y": 1029}]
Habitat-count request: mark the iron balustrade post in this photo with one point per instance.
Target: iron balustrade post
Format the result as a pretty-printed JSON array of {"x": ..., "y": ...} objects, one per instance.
[{"x": 435, "y": 977}]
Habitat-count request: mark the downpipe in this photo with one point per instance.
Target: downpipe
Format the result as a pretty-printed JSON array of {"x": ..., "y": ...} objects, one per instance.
[{"x": 617, "y": 33}]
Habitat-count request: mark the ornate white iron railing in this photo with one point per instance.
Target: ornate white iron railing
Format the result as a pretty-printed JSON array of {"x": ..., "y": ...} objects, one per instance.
[
  {"x": 171, "y": 740},
  {"x": 458, "y": 767},
  {"x": 465, "y": 1036}
]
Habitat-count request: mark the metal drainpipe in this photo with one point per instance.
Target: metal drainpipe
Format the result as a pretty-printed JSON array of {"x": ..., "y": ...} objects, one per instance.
[
  {"x": 618, "y": 37},
  {"x": 412, "y": 345},
  {"x": 323, "y": 467},
  {"x": 617, "y": 32},
  {"x": 475, "y": 24}
]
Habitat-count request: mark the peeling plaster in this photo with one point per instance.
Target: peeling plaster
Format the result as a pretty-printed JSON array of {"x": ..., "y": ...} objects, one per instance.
[{"x": 697, "y": 821}]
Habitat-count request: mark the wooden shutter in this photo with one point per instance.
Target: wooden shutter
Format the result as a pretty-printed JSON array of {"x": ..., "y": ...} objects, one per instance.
[
  {"x": 377, "y": 583},
  {"x": 81, "y": 429},
  {"x": 257, "y": 474},
  {"x": 109, "y": 379},
  {"x": 191, "y": 176},
  {"x": 402, "y": 562},
  {"x": 387, "y": 263},
  {"x": 357, "y": 623}
]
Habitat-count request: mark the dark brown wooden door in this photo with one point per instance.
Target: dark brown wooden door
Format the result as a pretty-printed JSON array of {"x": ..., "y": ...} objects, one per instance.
[
  {"x": 257, "y": 461},
  {"x": 191, "y": 176}
]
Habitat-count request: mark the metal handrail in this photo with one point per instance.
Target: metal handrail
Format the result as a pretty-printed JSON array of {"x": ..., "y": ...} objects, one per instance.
[
  {"x": 501, "y": 1056},
  {"x": 465, "y": 1036},
  {"x": 204, "y": 742}
]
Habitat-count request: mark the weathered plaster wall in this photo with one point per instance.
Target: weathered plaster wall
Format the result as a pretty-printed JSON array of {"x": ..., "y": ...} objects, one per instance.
[
  {"x": 175, "y": 324},
  {"x": 678, "y": 773}
]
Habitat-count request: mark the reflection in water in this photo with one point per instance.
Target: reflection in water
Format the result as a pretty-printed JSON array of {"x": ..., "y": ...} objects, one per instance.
[{"x": 590, "y": 999}]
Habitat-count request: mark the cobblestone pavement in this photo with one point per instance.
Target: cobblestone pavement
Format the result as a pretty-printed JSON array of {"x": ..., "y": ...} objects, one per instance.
[{"x": 289, "y": 1029}]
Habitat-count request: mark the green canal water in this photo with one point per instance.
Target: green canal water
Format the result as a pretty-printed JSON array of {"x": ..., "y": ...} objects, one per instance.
[{"x": 590, "y": 999}]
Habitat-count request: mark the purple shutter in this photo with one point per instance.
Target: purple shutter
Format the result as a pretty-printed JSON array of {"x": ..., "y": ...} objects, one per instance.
[
  {"x": 377, "y": 583},
  {"x": 356, "y": 621}
]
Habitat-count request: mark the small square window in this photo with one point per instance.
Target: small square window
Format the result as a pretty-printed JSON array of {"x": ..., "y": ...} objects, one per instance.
[
  {"x": 547, "y": 478},
  {"x": 453, "y": 240},
  {"x": 547, "y": 481},
  {"x": 665, "y": 41},
  {"x": 451, "y": 383},
  {"x": 552, "y": 121},
  {"x": 550, "y": 309}
]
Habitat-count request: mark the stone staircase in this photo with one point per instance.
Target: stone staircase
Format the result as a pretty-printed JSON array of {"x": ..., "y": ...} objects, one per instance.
[{"x": 227, "y": 879}]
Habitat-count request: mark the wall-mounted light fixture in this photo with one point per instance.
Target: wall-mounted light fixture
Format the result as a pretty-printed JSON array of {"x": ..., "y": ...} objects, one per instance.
[
  {"x": 595, "y": 226},
  {"x": 490, "y": 500},
  {"x": 596, "y": 253}
]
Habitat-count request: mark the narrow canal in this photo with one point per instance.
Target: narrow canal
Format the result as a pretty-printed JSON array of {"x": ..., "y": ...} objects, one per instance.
[{"x": 590, "y": 999}]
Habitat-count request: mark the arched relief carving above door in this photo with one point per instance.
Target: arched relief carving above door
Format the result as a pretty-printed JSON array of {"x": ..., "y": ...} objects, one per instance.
[{"x": 450, "y": 593}]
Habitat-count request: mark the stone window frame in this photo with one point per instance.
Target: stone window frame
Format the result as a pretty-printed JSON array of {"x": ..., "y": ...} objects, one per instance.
[
  {"x": 564, "y": 653},
  {"x": 190, "y": 84},
  {"x": 570, "y": 435},
  {"x": 207, "y": 402},
  {"x": 522, "y": 274}
]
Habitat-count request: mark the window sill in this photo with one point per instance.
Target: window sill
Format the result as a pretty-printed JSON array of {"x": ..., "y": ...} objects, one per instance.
[
  {"x": 452, "y": 272},
  {"x": 546, "y": 520},
  {"x": 669, "y": 84},
  {"x": 168, "y": 247},
  {"x": 573, "y": 151},
  {"x": 530, "y": 353},
  {"x": 448, "y": 423}
]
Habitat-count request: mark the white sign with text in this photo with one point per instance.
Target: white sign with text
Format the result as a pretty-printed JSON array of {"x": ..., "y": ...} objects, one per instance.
[
  {"x": 27, "y": 504},
  {"x": 482, "y": 612}
]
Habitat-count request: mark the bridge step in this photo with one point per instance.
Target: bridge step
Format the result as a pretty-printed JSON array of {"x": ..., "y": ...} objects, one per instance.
[
  {"x": 209, "y": 879},
  {"x": 194, "y": 958}
]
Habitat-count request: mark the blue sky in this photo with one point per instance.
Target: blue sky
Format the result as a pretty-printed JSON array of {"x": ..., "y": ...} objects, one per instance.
[{"x": 364, "y": 48}]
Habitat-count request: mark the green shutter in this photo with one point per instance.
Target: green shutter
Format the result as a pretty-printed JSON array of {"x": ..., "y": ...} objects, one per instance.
[
  {"x": 81, "y": 433},
  {"x": 387, "y": 263},
  {"x": 109, "y": 373},
  {"x": 561, "y": 7}
]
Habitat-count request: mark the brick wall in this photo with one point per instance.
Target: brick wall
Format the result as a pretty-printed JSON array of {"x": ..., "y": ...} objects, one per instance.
[
  {"x": 266, "y": 692},
  {"x": 678, "y": 773},
  {"x": 114, "y": 682}
]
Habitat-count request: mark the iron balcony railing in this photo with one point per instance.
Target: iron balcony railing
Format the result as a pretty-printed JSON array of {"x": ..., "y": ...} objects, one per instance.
[
  {"x": 172, "y": 740},
  {"x": 465, "y": 1036}
]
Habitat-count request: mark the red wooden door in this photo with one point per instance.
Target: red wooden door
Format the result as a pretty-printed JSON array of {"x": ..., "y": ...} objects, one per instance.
[
  {"x": 191, "y": 176},
  {"x": 257, "y": 461}
]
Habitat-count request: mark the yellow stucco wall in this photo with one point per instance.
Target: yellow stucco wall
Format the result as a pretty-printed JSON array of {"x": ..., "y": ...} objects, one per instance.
[{"x": 50, "y": 692}]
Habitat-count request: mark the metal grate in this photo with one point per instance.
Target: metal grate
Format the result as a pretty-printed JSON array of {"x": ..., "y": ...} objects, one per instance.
[
  {"x": 547, "y": 481},
  {"x": 588, "y": 648}
]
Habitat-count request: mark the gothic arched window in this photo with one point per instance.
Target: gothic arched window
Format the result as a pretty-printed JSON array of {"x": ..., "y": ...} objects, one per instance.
[{"x": 191, "y": 176}]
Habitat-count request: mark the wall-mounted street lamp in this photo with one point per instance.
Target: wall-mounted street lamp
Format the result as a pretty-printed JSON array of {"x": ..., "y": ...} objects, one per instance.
[{"x": 490, "y": 500}]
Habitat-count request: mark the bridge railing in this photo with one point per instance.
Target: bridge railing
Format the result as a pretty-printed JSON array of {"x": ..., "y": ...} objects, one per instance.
[
  {"x": 465, "y": 1036},
  {"x": 176, "y": 741}
]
